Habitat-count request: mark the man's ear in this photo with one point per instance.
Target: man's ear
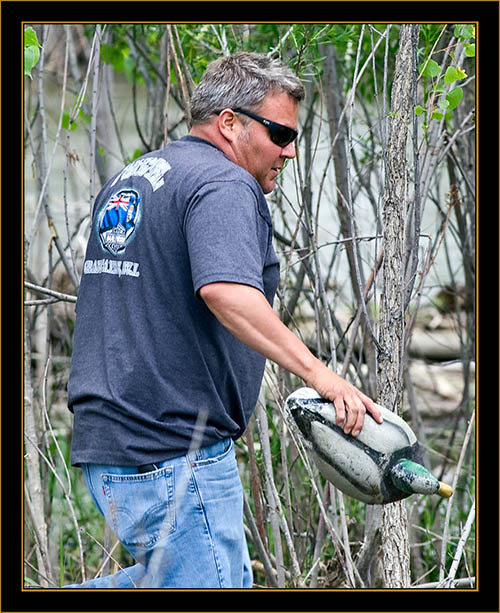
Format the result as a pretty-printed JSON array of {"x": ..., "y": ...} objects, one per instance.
[{"x": 229, "y": 125}]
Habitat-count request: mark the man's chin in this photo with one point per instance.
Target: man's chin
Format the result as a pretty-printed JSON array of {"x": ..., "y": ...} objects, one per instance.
[{"x": 268, "y": 187}]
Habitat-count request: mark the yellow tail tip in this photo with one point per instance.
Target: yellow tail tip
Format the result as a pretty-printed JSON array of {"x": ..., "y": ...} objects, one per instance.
[{"x": 444, "y": 490}]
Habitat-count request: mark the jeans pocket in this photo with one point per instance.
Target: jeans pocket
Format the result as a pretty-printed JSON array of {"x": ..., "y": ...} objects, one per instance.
[
  {"x": 215, "y": 453},
  {"x": 141, "y": 506}
]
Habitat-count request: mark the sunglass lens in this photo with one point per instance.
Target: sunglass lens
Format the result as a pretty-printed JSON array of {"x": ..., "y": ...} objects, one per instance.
[{"x": 283, "y": 136}]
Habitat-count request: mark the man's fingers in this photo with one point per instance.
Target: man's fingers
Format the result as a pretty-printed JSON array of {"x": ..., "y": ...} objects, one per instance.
[
  {"x": 351, "y": 406},
  {"x": 374, "y": 411},
  {"x": 352, "y": 411},
  {"x": 355, "y": 410},
  {"x": 340, "y": 411},
  {"x": 350, "y": 415},
  {"x": 360, "y": 419}
]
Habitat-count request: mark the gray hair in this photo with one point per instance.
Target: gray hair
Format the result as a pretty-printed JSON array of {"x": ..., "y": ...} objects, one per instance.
[{"x": 241, "y": 80}]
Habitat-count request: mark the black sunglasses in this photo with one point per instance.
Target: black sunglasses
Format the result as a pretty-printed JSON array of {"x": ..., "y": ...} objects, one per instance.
[{"x": 279, "y": 134}]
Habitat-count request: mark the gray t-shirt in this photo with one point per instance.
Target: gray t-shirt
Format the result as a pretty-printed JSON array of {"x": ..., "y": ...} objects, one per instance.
[{"x": 148, "y": 355}]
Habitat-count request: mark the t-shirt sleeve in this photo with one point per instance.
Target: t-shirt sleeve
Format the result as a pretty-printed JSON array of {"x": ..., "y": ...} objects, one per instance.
[{"x": 223, "y": 231}]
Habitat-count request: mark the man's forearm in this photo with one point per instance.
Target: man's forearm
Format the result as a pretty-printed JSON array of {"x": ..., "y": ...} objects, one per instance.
[{"x": 246, "y": 313}]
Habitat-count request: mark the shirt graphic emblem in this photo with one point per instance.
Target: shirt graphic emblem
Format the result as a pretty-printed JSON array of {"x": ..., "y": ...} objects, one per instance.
[{"x": 118, "y": 220}]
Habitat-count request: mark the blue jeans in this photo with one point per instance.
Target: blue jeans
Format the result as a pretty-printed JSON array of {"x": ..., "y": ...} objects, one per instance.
[{"x": 182, "y": 522}]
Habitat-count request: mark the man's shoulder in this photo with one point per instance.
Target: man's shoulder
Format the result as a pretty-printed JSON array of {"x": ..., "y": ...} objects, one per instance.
[{"x": 206, "y": 163}]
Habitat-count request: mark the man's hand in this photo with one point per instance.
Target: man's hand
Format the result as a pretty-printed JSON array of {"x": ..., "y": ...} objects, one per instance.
[{"x": 350, "y": 403}]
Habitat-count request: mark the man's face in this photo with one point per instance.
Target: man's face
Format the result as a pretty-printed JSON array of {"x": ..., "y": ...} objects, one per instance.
[{"x": 255, "y": 150}]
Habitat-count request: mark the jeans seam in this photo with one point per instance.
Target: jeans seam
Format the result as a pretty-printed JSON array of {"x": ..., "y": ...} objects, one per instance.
[
  {"x": 91, "y": 486},
  {"x": 207, "y": 526}
]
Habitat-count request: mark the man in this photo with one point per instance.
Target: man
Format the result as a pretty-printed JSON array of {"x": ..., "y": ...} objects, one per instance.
[{"x": 174, "y": 323}]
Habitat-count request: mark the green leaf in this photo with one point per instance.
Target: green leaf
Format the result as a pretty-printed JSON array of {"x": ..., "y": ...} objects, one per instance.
[
  {"x": 113, "y": 55},
  {"x": 86, "y": 118},
  {"x": 463, "y": 32},
  {"x": 470, "y": 50},
  {"x": 66, "y": 124},
  {"x": 451, "y": 75},
  {"x": 31, "y": 50},
  {"x": 454, "y": 97},
  {"x": 444, "y": 104},
  {"x": 65, "y": 121},
  {"x": 31, "y": 57},
  {"x": 437, "y": 115},
  {"x": 431, "y": 70},
  {"x": 30, "y": 38},
  {"x": 418, "y": 110},
  {"x": 136, "y": 154}
]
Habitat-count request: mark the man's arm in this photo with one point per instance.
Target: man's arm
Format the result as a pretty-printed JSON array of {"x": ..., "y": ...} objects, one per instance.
[{"x": 246, "y": 313}]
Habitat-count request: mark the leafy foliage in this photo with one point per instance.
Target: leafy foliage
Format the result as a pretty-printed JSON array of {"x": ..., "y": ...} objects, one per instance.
[{"x": 31, "y": 50}]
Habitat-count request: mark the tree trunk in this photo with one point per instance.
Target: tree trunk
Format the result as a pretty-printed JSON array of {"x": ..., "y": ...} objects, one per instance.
[
  {"x": 34, "y": 490},
  {"x": 395, "y": 546}
]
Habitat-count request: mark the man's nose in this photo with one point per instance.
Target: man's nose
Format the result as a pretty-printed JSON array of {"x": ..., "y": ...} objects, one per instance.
[{"x": 289, "y": 151}]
